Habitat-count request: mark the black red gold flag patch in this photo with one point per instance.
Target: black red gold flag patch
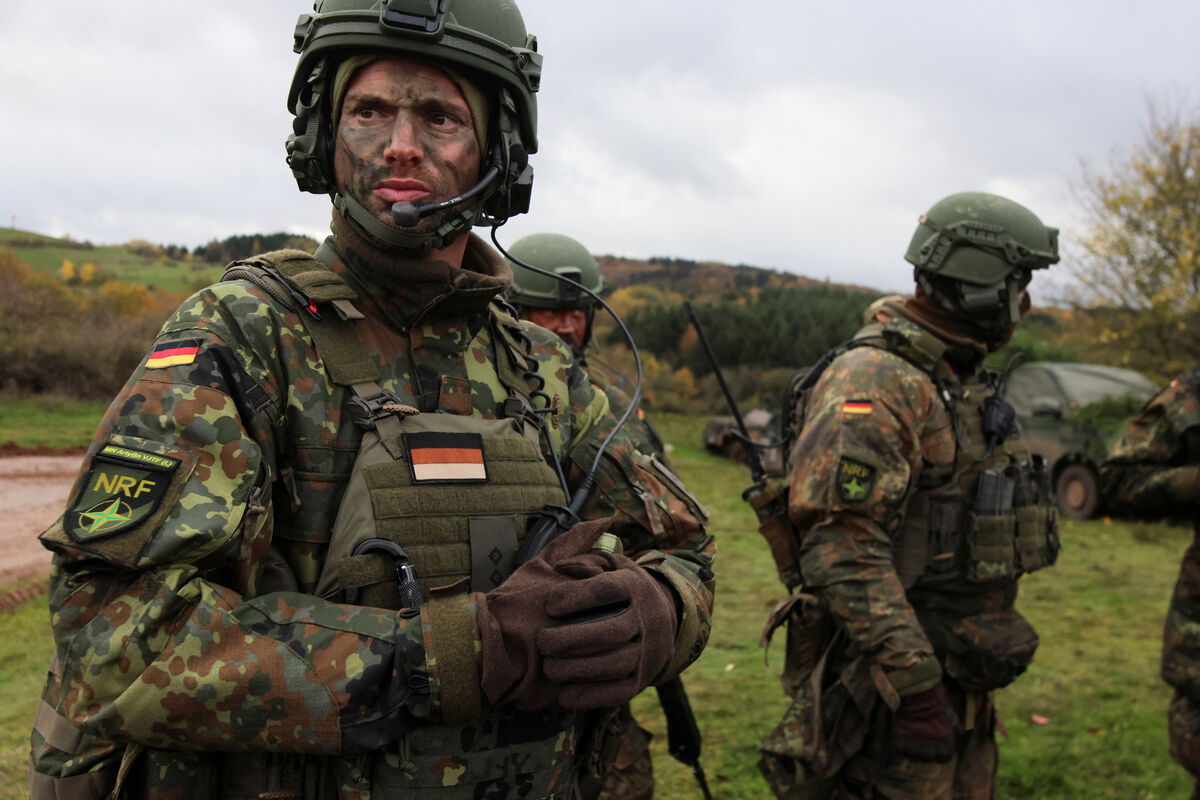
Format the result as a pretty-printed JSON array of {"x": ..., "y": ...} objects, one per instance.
[
  {"x": 436, "y": 457},
  {"x": 123, "y": 486},
  {"x": 172, "y": 354},
  {"x": 856, "y": 407}
]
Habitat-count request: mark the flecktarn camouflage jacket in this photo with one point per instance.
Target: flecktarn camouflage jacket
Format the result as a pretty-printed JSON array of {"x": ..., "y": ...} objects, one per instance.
[{"x": 182, "y": 588}]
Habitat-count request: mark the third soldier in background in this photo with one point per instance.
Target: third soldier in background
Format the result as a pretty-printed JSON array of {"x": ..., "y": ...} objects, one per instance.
[
  {"x": 569, "y": 312},
  {"x": 1154, "y": 471},
  {"x": 917, "y": 507}
]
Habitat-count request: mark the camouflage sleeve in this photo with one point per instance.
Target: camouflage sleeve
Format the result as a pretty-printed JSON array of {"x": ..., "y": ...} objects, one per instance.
[
  {"x": 1154, "y": 468},
  {"x": 156, "y": 639},
  {"x": 663, "y": 528},
  {"x": 867, "y": 422},
  {"x": 1181, "y": 634}
]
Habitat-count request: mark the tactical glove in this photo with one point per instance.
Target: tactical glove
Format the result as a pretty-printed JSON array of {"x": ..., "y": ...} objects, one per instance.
[
  {"x": 925, "y": 727},
  {"x": 614, "y": 633},
  {"x": 510, "y": 616},
  {"x": 582, "y": 628}
]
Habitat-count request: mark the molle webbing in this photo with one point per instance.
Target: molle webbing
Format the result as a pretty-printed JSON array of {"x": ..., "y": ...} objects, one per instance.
[
  {"x": 443, "y": 527},
  {"x": 304, "y": 283}
]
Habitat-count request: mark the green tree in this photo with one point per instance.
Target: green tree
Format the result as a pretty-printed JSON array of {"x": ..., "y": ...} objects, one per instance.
[{"x": 1140, "y": 275}]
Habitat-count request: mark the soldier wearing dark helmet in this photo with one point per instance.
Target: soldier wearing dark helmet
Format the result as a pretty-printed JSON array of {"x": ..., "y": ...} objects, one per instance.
[
  {"x": 293, "y": 565},
  {"x": 560, "y": 307},
  {"x": 916, "y": 507},
  {"x": 1153, "y": 471}
]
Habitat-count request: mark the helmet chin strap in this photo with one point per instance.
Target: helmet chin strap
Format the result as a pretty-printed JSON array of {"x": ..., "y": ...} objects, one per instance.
[{"x": 407, "y": 242}]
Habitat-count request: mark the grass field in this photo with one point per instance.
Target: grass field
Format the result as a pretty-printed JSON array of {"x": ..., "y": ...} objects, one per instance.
[
  {"x": 1095, "y": 679},
  {"x": 48, "y": 421},
  {"x": 166, "y": 274}
]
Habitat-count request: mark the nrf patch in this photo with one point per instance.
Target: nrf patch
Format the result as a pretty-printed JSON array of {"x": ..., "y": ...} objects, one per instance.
[
  {"x": 122, "y": 488},
  {"x": 855, "y": 480}
]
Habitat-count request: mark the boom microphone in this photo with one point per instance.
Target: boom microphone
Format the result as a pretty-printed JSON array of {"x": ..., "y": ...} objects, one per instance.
[{"x": 406, "y": 214}]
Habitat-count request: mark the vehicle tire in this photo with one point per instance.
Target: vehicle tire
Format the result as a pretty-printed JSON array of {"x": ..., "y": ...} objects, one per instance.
[{"x": 1077, "y": 491}]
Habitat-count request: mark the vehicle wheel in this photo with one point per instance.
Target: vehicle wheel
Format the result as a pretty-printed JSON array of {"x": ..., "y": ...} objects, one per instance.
[
  {"x": 1077, "y": 492},
  {"x": 734, "y": 450}
]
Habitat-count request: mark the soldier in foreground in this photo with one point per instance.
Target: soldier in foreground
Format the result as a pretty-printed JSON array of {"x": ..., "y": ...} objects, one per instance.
[
  {"x": 916, "y": 508},
  {"x": 564, "y": 309},
  {"x": 292, "y": 564},
  {"x": 1153, "y": 472}
]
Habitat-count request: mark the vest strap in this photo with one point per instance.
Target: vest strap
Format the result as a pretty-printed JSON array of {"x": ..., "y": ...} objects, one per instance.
[{"x": 452, "y": 629}]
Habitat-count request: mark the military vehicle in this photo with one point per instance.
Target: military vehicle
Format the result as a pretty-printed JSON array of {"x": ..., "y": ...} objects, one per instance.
[
  {"x": 1044, "y": 394},
  {"x": 722, "y": 437}
]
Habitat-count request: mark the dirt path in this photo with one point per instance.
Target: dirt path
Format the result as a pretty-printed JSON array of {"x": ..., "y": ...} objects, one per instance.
[{"x": 33, "y": 491}]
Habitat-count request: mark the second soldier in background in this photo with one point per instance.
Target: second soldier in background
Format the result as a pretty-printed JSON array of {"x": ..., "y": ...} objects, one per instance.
[
  {"x": 916, "y": 507},
  {"x": 570, "y": 312}
]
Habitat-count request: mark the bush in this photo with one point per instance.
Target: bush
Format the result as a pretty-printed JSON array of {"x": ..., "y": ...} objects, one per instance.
[{"x": 57, "y": 340}]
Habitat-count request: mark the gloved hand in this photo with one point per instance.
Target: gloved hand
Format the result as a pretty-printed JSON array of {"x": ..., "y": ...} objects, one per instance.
[
  {"x": 583, "y": 628},
  {"x": 614, "y": 631},
  {"x": 925, "y": 727},
  {"x": 509, "y": 617}
]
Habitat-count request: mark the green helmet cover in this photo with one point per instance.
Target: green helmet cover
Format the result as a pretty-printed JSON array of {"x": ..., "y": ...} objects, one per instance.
[
  {"x": 561, "y": 255},
  {"x": 485, "y": 40},
  {"x": 981, "y": 239},
  {"x": 973, "y": 253}
]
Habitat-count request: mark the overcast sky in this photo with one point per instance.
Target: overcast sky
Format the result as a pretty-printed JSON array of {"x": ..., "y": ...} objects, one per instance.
[{"x": 804, "y": 136}]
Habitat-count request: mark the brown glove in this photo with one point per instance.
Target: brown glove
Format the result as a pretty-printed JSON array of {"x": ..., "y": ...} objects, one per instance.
[
  {"x": 925, "y": 727},
  {"x": 509, "y": 617},
  {"x": 614, "y": 632},
  {"x": 571, "y": 626}
]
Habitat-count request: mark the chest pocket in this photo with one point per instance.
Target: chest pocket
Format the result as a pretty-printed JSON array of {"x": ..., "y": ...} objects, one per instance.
[
  {"x": 990, "y": 522},
  {"x": 453, "y": 494}
]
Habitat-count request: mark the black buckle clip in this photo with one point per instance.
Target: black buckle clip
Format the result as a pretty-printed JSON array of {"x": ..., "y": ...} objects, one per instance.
[{"x": 424, "y": 17}]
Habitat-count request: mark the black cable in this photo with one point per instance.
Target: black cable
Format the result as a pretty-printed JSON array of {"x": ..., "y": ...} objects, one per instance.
[{"x": 585, "y": 488}]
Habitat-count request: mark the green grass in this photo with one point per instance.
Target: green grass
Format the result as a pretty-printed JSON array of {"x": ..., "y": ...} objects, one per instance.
[
  {"x": 25, "y": 646},
  {"x": 48, "y": 421},
  {"x": 1095, "y": 678}
]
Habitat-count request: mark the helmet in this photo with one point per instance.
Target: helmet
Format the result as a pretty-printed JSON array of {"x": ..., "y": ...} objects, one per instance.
[
  {"x": 974, "y": 252},
  {"x": 561, "y": 255},
  {"x": 558, "y": 254},
  {"x": 484, "y": 39}
]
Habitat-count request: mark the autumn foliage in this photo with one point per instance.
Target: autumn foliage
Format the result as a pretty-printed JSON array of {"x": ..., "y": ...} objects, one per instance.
[
  {"x": 1140, "y": 276},
  {"x": 57, "y": 339}
]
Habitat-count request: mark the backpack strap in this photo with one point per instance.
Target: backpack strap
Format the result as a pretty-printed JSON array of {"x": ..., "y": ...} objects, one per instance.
[{"x": 305, "y": 284}]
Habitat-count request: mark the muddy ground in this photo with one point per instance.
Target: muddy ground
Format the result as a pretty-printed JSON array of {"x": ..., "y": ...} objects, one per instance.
[{"x": 33, "y": 491}]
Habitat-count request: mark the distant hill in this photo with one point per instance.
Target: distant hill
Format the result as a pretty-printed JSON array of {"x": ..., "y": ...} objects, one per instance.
[
  {"x": 173, "y": 268},
  {"x": 158, "y": 267},
  {"x": 697, "y": 279}
]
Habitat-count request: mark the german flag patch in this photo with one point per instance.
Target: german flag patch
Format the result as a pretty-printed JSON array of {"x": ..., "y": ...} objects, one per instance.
[
  {"x": 446, "y": 457},
  {"x": 857, "y": 407},
  {"x": 172, "y": 354}
]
